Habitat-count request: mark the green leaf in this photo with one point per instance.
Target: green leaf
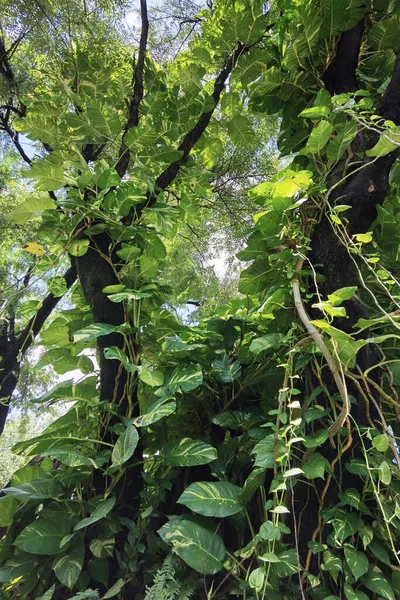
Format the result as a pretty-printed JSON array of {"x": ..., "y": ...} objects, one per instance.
[
  {"x": 29, "y": 208},
  {"x": 388, "y": 141},
  {"x": 364, "y": 238},
  {"x": 113, "y": 289},
  {"x": 220, "y": 499},
  {"x": 103, "y": 545},
  {"x": 99, "y": 570},
  {"x": 108, "y": 178},
  {"x": 315, "y": 466},
  {"x": 380, "y": 551},
  {"x": 21, "y": 564},
  {"x": 99, "y": 512},
  {"x": 156, "y": 410},
  {"x": 385, "y": 474},
  {"x": 115, "y": 589},
  {"x": 293, "y": 472},
  {"x": 341, "y": 15},
  {"x": 201, "y": 548},
  {"x": 381, "y": 442},
  {"x": 342, "y": 294},
  {"x": 269, "y": 449},
  {"x": 39, "y": 489},
  {"x": 240, "y": 131},
  {"x": 92, "y": 332},
  {"x": 49, "y": 594},
  {"x": 69, "y": 566},
  {"x": 351, "y": 594},
  {"x": 385, "y": 35},
  {"x": 93, "y": 126},
  {"x": 48, "y": 177},
  {"x": 78, "y": 247},
  {"x": 256, "y": 277},
  {"x": 226, "y": 369},
  {"x": 377, "y": 583},
  {"x": 319, "y": 137},
  {"x": 339, "y": 144},
  {"x": 115, "y": 353},
  {"x": 69, "y": 457},
  {"x": 188, "y": 453},
  {"x": 152, "y": 377},
  {"x": 269, "y": 531},
  {"x": 8, "y": 507},
  {"x": 256, "y": 579},
  {"x": 344, "y": 524},
  {"x": 184, "y": 378},
  {"x": 315, "y": 112},
  {"x": 357, "y": 561},
  {"x": 271, "y": 341},
  {"x": 43, "y": 536},
  {"x": 125, "y": 446}
]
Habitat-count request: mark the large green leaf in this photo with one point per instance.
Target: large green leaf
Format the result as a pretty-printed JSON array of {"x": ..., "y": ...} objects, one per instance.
[
  {"x": 92, "y": 332},
  {"x": 240, "y": 131},
  {"x": 319, "y": 137},
  {"x": 31, "y": 207},
  {"x": 125, "y": 446},
  {"x": 357, "y": 561},
  {"x": 184, "y": 378},
  {"x": 385, "y": 35},
  {"x": 270, "y": 341},
  {"x": 256, "y": 277},
  {"x": 219, "y": 499},
  {"x": 43, "y": 536},
  {"x": 93, "y": 125},
  {"x": 201, "y": 548},
  {"x": 226, "y": 369},
  {"x": 188, "y": 453},
  {"x": 49, "y": 177},
  {"x": 377, "y": 583},
  {"x": 69, "y": 457},
  {"x": 39, "y": 489},
  {"x": 388, "y": 141},
  {"x": 341, "y": 15},
  {"x": 157, "y": 410},
  {"x": 68, "y": 567}
]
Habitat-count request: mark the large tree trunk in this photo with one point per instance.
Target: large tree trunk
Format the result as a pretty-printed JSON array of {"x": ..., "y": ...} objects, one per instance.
[{"x": 363, "y": 191}]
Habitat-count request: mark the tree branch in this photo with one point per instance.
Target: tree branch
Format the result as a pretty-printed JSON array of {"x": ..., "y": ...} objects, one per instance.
[
  {"x": 138, "y": 90},
  {"x": 167, "y": 176}
]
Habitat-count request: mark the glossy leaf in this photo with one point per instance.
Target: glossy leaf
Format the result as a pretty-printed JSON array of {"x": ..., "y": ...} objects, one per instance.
[
  {"x": 125, "y": 446},
  {"x": 188, "y": 453},
  {"x": 68, "y": 566},
  {"x": 219, "y": 499},
  {"x": 156, "y": 410},
  {"x": 201, "y": 548},
  {"x": 43, "y": 537}
]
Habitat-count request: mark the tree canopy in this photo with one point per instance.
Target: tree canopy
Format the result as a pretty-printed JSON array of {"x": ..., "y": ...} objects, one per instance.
[{"x": 252, "y": 453}]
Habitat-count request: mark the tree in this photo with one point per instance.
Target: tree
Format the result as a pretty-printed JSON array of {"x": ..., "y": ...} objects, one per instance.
[{"x": 259, "y": 445}]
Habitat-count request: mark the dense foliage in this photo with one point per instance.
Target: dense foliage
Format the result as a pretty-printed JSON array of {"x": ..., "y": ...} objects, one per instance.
[{"x": 254, "y": 453}]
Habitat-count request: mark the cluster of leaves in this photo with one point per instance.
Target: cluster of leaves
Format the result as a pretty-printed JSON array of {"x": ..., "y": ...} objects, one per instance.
[{"x": 216, "y": 440}]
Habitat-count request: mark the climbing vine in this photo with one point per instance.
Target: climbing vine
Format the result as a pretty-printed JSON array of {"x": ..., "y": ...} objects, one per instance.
[{"x": 254, "y": 453}]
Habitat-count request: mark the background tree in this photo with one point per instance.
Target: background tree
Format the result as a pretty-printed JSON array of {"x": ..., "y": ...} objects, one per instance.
[{"x": 259, "y": 444}]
